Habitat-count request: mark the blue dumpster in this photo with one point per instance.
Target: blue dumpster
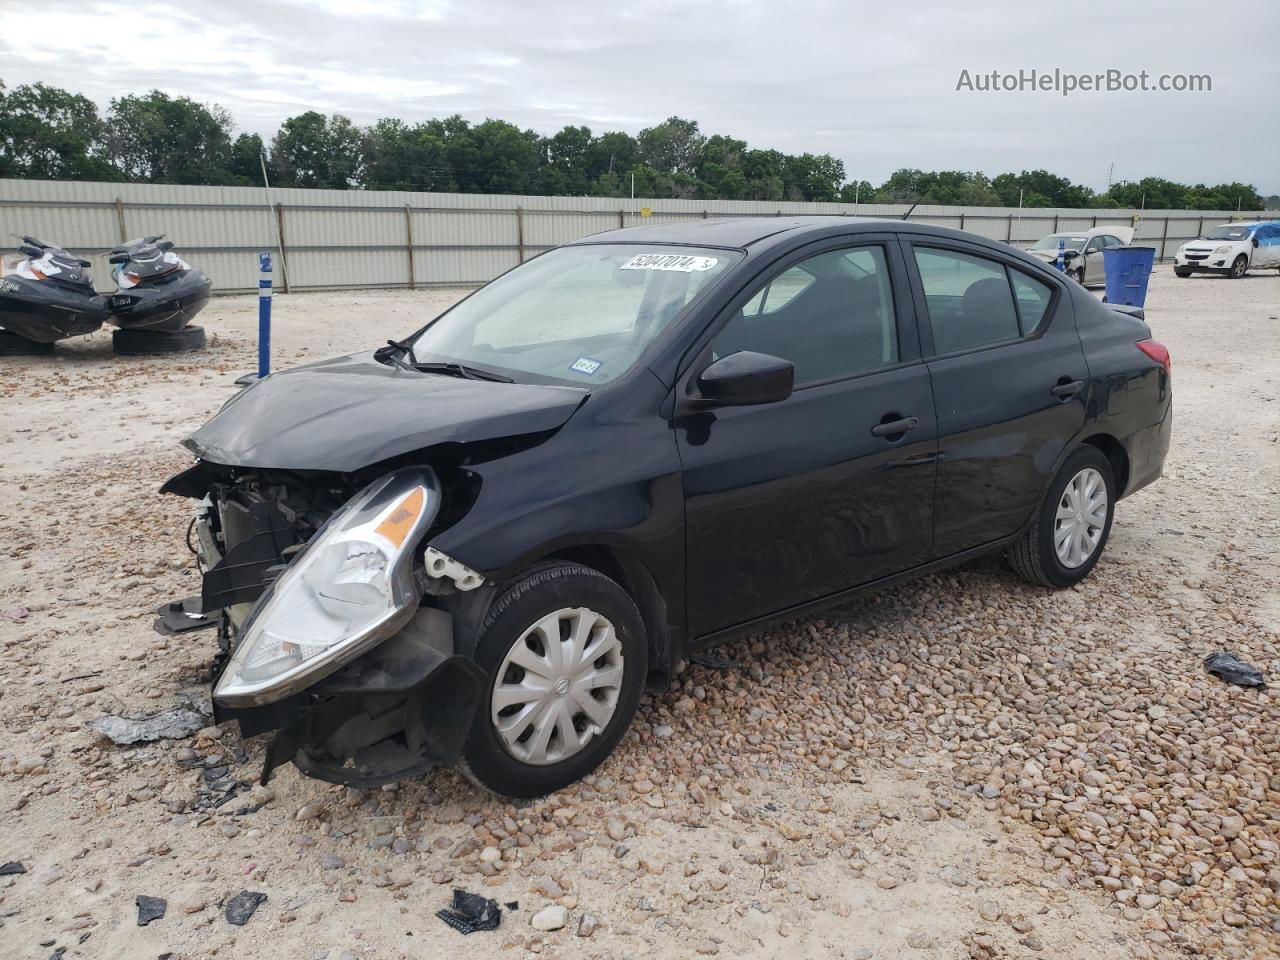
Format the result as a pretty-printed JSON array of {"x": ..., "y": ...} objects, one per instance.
[{"x": 1128, "y": 269}]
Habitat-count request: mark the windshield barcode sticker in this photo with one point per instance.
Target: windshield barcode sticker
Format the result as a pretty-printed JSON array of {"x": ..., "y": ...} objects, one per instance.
[
  {"x": 587, "y": 365},
  {"x": 669, "y": 261}
]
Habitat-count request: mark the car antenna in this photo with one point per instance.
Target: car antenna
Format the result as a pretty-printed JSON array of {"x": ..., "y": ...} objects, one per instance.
[{"x": 908, "y": 213}]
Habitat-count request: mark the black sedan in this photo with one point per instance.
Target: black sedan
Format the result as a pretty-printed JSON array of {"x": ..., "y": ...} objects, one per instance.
[{"x": 478, "y": 545}]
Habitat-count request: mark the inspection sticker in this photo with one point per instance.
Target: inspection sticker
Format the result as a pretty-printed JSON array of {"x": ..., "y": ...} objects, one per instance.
[
  {"x": 669, "y": 261},
  {"x": 586, "y": 365}
]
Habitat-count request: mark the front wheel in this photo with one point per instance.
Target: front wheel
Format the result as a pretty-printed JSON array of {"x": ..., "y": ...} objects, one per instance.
[
  {"x": 1181, "y": 272},
  {"x": 1071, "y": 527},
  {"x": 1078, "y": 276},
  {"x": 565, "y": 653},
  {"x": 1239, "y": 266}
]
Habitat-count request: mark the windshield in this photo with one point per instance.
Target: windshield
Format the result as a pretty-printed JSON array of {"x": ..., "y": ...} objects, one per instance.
[
  {"x": 579, "y": 315},
  {"x": 1228, "y": 233},
  {"x": 1051, "y": 242}
]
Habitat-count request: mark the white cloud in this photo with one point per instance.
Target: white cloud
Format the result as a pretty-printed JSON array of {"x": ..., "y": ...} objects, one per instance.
[{"x": 875, "y": 87}]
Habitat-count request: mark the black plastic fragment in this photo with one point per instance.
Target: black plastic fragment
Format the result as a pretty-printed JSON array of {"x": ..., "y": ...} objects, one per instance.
[
  {"x": 471, "y": 912},
  {"x": 180, "y": 616},
  {"x": 1225, "y": 665},
  {"x": 150, "y": 908},
  {"x": 12, "y": 867},
  {"x": 240, "y": 907},
  {"x": 715, "y": 663}
]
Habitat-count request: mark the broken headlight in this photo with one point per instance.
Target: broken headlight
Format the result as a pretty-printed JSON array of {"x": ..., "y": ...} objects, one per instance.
[{"x": 351, "y": 588}]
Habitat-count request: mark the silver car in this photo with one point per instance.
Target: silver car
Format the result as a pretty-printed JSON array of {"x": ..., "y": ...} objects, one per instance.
[{"x": 1083, "y": 253}]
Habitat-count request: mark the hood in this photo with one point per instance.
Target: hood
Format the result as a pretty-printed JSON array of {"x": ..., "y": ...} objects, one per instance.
[{"x": 345, "y": 414}]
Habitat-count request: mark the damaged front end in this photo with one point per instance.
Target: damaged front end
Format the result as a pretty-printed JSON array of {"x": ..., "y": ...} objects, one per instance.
[{"x": 336, "y": 623}]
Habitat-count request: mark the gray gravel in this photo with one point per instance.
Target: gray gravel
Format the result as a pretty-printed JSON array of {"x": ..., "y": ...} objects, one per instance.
[{"x": 965, "y": 766}]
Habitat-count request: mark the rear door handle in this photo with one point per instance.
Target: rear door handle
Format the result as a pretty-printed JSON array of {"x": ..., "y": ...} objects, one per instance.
[
  {"x": 1065, "y": 391},
  {"x": 895, "y": 427}
]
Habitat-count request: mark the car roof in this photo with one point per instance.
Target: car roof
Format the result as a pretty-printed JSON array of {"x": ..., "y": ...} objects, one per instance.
[{"x": 736, "y": 232}]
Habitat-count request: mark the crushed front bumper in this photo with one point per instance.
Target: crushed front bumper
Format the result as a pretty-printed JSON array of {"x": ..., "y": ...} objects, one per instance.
[{"x": 400, "y": 710}]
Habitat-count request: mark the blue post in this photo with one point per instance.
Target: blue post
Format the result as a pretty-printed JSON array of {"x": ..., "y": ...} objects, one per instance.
[
  {"x": 1062, "y": 254},
  {"x": 264, "y": 316}
]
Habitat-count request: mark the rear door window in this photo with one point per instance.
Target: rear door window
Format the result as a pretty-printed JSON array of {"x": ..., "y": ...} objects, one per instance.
[
  {"x": 1033, "y": 298},
  {"x": 970, "y": 299}
]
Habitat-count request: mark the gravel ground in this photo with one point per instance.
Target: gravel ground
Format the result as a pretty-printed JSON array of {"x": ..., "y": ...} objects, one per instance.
[{"x": 964, "y": 766}]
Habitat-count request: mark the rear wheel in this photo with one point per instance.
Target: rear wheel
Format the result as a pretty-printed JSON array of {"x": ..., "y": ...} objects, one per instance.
[
  {"x": 12, "y": 345},
  {"x": 1181, "y": 272},
  {"x": 1070, "y": 529},
  {"x": 1238, "y": 267},
  {"x": 565, "y": 653},
  {"x": 141, "y": 343}
]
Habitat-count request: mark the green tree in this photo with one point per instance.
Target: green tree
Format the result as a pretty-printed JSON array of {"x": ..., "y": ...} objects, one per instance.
[
  {"x": 611, "y": 153},
  {"x": 491, "y": 157},
  {"x": 1040, "y": 188},
  {"x": 47, "y": 133},
  {"x": 400, "y": 157},
  {"x": 566, "y": 159},
  {"x": 156, "y": 138},
  {"x": 312, "y": 150},
  {"x": 1153, "y": 193},
  {"x": 857, "y": 191},
  {"x": 672, "y": 146},
  {"x": 719, "y": 169},
  {"x": 245, "y": 160},
  {"x": 814, "y": 177}
]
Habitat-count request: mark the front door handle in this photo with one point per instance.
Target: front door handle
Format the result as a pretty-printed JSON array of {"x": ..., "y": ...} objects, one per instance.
[
  {"x": 1067, "y": 390},
  {"x": 898, "y": 427}
]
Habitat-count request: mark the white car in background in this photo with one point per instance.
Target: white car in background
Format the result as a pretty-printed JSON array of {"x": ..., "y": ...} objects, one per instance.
[
  {"x": 1231, "y": 249},
  {"x": 1083, "y": 251}
]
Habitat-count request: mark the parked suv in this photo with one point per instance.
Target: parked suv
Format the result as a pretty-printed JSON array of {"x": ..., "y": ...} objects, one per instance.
[
  {"x": 1231, "y": 249},
  {"x": 477, "y": 545}
]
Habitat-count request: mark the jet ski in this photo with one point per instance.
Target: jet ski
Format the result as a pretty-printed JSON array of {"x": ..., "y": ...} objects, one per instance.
[
  {"x": 46, "y": 294},
  {"x": 158, "y": 290}
]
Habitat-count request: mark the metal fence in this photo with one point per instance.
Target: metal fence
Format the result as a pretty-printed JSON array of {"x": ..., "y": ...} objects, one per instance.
[{"x": 328, "y": 239}]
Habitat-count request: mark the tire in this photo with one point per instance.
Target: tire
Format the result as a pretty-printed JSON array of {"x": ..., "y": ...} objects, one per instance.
[
  {"x": 1078, "y": 276},
  {"x": 543, "y": 594},
  {"x": 1035, "y": 555},
  {"x": 145, "y": 343},
  {"x": 12, "y": 345},
  {"x": 1238, "y": 267},
  {"x": 1181, "y": 272}
]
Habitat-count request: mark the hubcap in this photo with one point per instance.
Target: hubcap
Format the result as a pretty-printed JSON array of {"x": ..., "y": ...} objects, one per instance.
[
  {"x": 1082, "y": 515},
  {"x": 558, "y": 686}
]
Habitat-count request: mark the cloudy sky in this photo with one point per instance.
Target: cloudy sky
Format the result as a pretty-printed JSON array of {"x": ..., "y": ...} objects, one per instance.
[{"x": 873, "y": 83}]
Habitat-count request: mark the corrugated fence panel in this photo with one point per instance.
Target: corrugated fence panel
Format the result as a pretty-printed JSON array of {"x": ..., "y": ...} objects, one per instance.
[{"x": 356, "y": 238}]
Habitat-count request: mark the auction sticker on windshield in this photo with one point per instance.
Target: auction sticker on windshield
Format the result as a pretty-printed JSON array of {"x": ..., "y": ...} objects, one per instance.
[
  {"x": 669, "y": 261},
  {"x": 587, "y": 365}
]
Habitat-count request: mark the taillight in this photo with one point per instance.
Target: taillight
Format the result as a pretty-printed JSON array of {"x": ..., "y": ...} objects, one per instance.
[{"x": 1158, "y": 352}]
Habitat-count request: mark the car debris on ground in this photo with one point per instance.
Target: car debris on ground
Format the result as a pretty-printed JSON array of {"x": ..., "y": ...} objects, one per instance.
[
  {"x": 150, "y": 909},
  {"x": 176, "y": 723},
  {"x": 471, "y": 912},
  {"x": 241, "y": 907},
  {"x": 1226, "y": 666}
]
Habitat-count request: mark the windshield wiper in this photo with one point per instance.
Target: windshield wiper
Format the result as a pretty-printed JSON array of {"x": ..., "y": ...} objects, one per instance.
[
  {"x": 392, "y": 351},
  {"x": 461, "y": 370}
]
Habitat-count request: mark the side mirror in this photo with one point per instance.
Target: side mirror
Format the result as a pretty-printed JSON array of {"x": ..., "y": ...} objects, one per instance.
[
  {"x": 1255, "y": 241},
  {"x": 745, "y": 378},
  {"x": 118, "y": 258},
  {"x": 165, "y": 245}
]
